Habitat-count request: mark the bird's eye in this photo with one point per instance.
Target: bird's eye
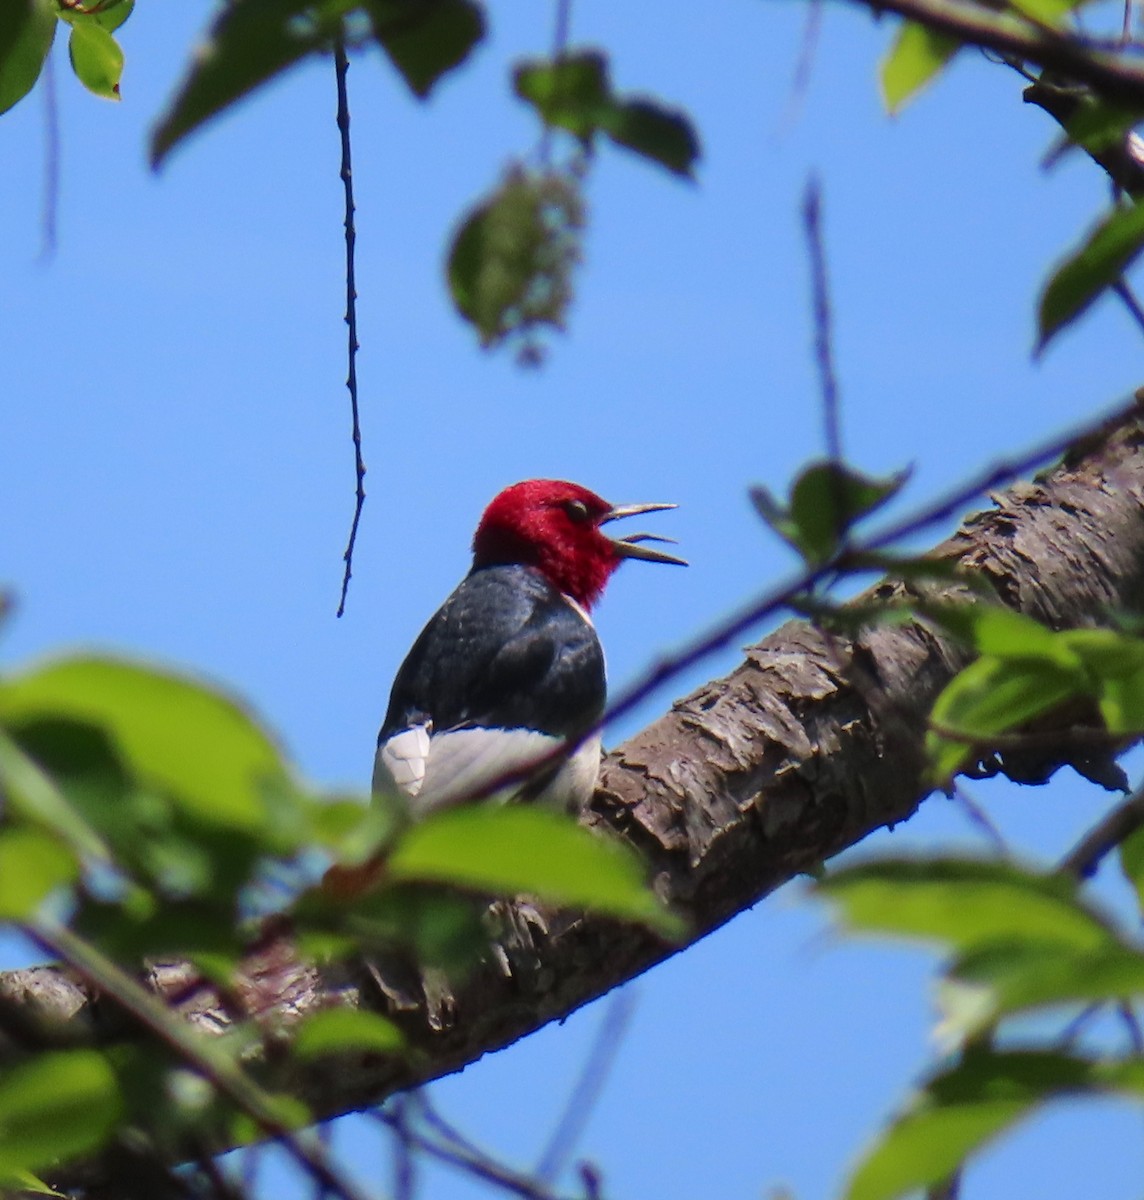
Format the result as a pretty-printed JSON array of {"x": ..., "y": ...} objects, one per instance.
[{"x": 577, "y": 510}]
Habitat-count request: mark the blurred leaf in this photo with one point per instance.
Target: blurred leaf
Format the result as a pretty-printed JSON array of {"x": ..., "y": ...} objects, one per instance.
[
  {"x": 25, "y": 1181},
  {"x": 34, "y": 796},
  {"x": 288, "y": 1111},
  {"x": 574, "y": 93},
  {"x": 55, "y": 1106},
  {"x": 826, "y": 500},
  {"x": 1098, "y": 125},
  {"x": 1130, "y": 854},
  {"x": 917, "y": 55},
  {"x": 511, "y": 262},
  {"x": 1023, "y": 975},
  {"x": 171, "y": 732},
  {"x": 175, "y": 929},
  {"x": 441, "y": 928},
  {"x": 1105, "y": 255},
  {"x": 424, "y": 39},
  {"x": 990, "y": 696},
  {"x": 1115, "y": 661},
  {"x": 338, "y": 1030},
  {"x": 27, "y": 29},
  {"x": 965, "y": 904},
  {"x": 249, "y": 43},
  {"x": 657, "y": 133},
  {"x": 959, "y": 1112},
  {"x": 32, "y": 866},
  {"x": 108, "y": 14},
  {"x": 96, "y": 59},
  {"x": 354, "y": 830},
  {"x": 527, "y": 849}
]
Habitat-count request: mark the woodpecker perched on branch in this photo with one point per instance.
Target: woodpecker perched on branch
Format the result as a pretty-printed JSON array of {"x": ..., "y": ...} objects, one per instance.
[{"x": 510, "y": 667}]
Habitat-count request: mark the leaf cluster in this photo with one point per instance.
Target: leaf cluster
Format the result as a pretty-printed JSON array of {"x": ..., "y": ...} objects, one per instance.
[{"x": 148, "y": 815}]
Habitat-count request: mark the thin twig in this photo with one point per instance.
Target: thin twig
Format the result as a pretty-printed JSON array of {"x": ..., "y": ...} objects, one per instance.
[
  {"x": 50, "y": 222},
  {"x": 404, "y": 1175},
  {"x": 980, "y": 818},
  {"x": 103, "y": 977},
  {"x": 1033, "y": 739},
  {"x": 1083, "y": 859},
  {"x": 586, "y": 1093},
  {"x": 560, "y": 35},
  {"x": 476, "y": 1163},
  {"x": 1132, "y": 1025},
  {"x": 341, "y": 69},
  {"x": 804, "y": 65},
  {"x": 1122, "y": 289},
  {"x": 820, "y": 292}
]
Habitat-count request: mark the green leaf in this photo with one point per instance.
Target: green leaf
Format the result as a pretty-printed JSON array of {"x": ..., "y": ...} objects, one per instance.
[
  {"x": 965, "y": 904},
  {"x": 1025, "y": 975},
  {"x": 826, "y": 500},
  {"x": 1130, "y": 854},
  {"x": 657, "y": 133},
  {"x": 573, "y": 93},
  {"x": 424, "y": 39},
  {"x": 96, "y": 58},
  {"x": 27, "y": 29},
  {"x": 527, "y": 849},
  {"x": 32, "y": 866},
  {"x": 990, "y": 696},
  {"x": 109, "y": 14},
  {"x": 916, "y": 57},
  {"x": 341, "y": 1030},
  {"x": 511, "y": 263},
  {"x": 250, "y": 42},
  {"x": 1115, "y": 661},
  {"x": 35, "y": 797},
  {"x": 1105, "y": 255},
  {"x": 959, "y": 1112},
  {"x": 172, "y": 733},
  {"x": 56, "y": 1106}
]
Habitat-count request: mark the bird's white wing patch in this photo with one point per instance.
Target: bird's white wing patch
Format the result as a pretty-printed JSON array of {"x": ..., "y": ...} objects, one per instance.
[
  {"x": 435, "y": 771},
  {"x": 401, "y": 761}
]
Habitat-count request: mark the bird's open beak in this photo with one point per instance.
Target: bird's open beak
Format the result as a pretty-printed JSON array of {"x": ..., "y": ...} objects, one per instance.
[{"x": 631, "y": 546}]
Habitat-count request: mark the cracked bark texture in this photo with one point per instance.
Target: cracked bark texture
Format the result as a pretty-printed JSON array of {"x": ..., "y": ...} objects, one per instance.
[{"x": 811, "y": 743}]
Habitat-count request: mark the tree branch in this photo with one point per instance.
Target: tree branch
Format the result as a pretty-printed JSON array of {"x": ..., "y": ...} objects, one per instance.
[{"x": 806, "y": 747}]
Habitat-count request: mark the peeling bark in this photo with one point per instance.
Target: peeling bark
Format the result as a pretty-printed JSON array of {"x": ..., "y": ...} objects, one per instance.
[{"x": 811, "y": 743}]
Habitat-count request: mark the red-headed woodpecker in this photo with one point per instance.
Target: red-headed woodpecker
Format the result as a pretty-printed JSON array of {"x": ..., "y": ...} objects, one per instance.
[{"x": 510, "y": 666}]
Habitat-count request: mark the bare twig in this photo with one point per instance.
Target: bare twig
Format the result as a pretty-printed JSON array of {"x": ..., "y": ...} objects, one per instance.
[
  {"x": 560, "y": 35},
  {"x": 1083, "y": 859},
  {"x": 50, "y": 220},
  {"x": 1132, "y": 1025},
  {"x": 404, "y": 1175},
  {"x": 820, "y": 292},
  {"x": 980, "y": 818},
  {"x": 588, "y": 1088},
  {"x": 800, "y": 82},
  {"x": 473, "y": 1162},
  {"x": 341, "y": 69},
  {"x": 1122, "y": 289}
]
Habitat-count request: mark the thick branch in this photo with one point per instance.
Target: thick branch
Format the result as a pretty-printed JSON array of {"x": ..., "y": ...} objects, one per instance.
[{"x": 805, "y": 748}]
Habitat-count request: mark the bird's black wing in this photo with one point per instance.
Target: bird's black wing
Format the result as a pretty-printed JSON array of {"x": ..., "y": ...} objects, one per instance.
[{"x": 506, "y": 650}]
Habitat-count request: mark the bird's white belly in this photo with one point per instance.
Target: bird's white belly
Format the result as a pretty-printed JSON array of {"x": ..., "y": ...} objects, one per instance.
[{"x": 437, "y": 770}]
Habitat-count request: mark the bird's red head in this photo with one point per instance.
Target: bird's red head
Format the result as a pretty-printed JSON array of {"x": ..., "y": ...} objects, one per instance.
[{"x": 555, "y": 526}]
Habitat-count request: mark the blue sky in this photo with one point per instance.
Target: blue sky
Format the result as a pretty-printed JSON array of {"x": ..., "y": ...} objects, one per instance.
[{"x": 176, "y": 469}]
